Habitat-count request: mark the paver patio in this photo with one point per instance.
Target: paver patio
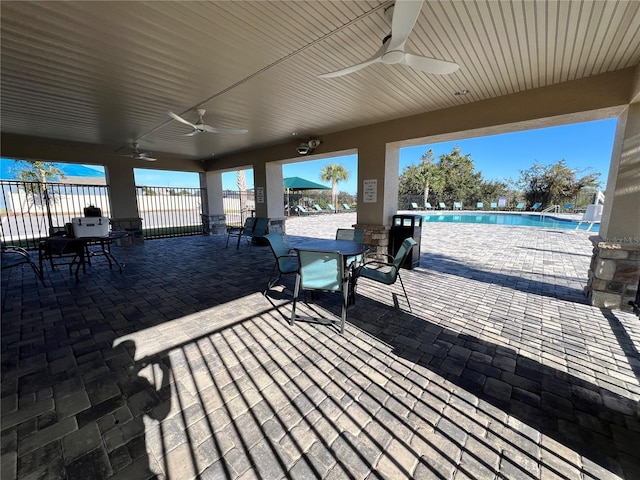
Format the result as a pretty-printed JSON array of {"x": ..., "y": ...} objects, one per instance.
[{"x": 180, "y": 368}]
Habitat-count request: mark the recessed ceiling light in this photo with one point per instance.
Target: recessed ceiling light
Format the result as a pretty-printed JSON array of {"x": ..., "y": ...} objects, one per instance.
[
  {"x": 464, "y": 91},
  {"x": 294, "y": 134}
]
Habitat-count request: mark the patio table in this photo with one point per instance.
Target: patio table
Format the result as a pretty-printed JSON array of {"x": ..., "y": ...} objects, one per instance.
[
  {"x": 348, "y": 248},
  {"x": 78, "y": 248}
]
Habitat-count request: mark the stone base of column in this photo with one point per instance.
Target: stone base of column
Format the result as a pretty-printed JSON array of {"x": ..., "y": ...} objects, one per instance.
[
  {"x": 614, "y": 274},
  {"x": 376, "y": 237},
  {"x": 133, "y": 226},
  {"x": 214, "y": 224}
]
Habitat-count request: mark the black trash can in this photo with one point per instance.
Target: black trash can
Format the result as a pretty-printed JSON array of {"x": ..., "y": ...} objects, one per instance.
[{"x": 405, "y": 226}]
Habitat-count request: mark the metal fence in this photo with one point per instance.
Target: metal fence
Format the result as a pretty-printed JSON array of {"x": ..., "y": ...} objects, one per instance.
[
  {"x": 238, "y": 205},
  {"x": 170, "y": 212},
  {"x": 30, "y": 211}
]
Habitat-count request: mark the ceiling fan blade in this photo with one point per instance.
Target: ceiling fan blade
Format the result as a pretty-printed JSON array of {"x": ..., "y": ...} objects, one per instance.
[
  {"x": 429, "y": 65},
  {"x": 405, "y": 15},
  {"x": 180, "y": 119},
  {"x": 191, "y": 134},
  {"x": 231, "y": 131},
  {"x": 345, "y": 71}
]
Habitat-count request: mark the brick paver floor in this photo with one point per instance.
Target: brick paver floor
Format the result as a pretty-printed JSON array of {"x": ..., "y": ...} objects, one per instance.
[{"x": 180, "y": 368}]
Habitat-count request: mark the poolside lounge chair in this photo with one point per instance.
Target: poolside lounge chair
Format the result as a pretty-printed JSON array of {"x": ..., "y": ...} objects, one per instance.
[
  {"x": 302, "y": 210},
  {"x": 415, "y": 206},
  {"x": 520, "y": 206},
  {"x": 428, "y": 206},
  {"x": 457, "y": 205},
  {"x": 494, "y": 205},
  {"x": 568, "y": 206},
  {"x": 442, "y": 206},
  {"x": 318, "y": 208},
  {"x": 536, "y": 206},
  {"x": 592, "y": 215},
  {"x": 346, "y": 206},
  {"x": 332, "y": 209},
  {"x": 479, "y": 205},
  {"x": 324, "y": 272}
]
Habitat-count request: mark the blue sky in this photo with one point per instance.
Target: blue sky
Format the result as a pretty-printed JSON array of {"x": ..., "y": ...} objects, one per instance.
[{"x": 586, "y": 147}]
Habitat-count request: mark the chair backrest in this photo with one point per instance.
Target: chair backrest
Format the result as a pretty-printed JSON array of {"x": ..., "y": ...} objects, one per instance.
[
  {"x": 593, "y": 213},
  {"x": 249, "y": 224},
  {"x": 317, "y": 207},
  {"x": 321, "y": 270},
  {"x": 457, "y": 204},
  {"x": 346, "y": 206},
  {"x": 414, "y": 205},
  {"x": 353, "y": 234},
  {"x": 302, "y": 209},
  {"x": 520, "y": 206},
  {"x": 536, "y": 206},
  {"x": 261, "y": 226},
  {"x": 494, "y": 205},
  {"x": 428, "y": 205},
  {"x": 568, "y": 206},
  {"x": 479, "y": 205},
  {"x": 332, "y": 208},
  {"x": 281, "y": 252},
  {"x": 403, "y": 251},
  {"x": 442, "y": 205}
]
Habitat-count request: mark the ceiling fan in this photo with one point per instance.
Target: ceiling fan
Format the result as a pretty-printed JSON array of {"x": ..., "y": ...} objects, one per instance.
[
  {"x": 200, "y": 127},
  {"x": 402, "y": 16},
  {"x": 138, "y": 155}
]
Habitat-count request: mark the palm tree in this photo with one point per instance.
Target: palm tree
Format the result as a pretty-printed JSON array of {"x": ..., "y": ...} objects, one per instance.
[{"x": 334, "y": 173}]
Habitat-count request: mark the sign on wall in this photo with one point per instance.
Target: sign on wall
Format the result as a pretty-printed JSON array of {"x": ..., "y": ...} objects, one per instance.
[
  {"x": 260, "y": 194},
  {"x": 370, "y": 191}
]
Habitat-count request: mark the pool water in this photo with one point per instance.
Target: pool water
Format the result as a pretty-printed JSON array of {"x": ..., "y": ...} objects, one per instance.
[{"x": 507, "y": 219}]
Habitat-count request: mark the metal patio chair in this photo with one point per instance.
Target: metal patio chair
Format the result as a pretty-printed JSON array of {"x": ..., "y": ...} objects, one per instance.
[
  {"x": 286, "y": 259},
  {"x": 354, "y": 235},
  {"x": 239, "y": 232},
  {"x": 387, "y": 272},
  {"x": 18, "y": 256},
  {"x": 321, "y": 272}
]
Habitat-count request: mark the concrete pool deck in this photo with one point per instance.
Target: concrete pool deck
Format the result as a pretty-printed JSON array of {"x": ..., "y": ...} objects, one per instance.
[{"x": 181, "y": 368}]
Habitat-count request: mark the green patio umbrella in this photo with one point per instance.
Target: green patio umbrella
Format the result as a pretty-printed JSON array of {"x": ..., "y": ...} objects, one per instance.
[{"x": 300, "y": 184}]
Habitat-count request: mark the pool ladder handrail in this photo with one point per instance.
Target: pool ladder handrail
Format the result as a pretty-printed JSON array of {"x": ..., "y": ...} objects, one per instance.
[{"x": 555, "y": 208}]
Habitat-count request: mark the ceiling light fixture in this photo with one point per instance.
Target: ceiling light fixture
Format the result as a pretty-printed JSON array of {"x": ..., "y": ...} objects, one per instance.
[{"x": 464, "y": 91}]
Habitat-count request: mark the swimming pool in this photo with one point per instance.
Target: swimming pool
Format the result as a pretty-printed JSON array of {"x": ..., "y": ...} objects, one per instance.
[{"x": 504, "y": 218}]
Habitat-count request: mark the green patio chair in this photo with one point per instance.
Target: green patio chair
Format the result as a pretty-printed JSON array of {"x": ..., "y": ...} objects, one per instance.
[
  {"x": 332, "y": 209},
  {"x": 387, "y": 272},
  {"x": 321, "y": 272},
  {"x": 318, "y": 208},
  {"x": 479, "y": 205},
  {"x": 18, "y": 256},
  {"x": 240, "y": 232},
  {"x": 346, "y": 206},
  {"x": 568, "y": 206},
  {"x": 428, "y": 206},
  {"x": 260, "y": 230},
  {"x": 354, "y": 235},
  {"x": 536, "y": 206},
  {"x": 442, "y": 206},
  {"x": 457, "y": 205},
  {"x": 520, "y": 206},
  {"x": 286, "y": 259},
  {"x": 494, "y": 205}
]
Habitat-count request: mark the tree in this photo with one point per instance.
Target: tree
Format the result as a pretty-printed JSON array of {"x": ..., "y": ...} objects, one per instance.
[
  {"x": 334, "y": 173},
  {"x": 421, "y": 178},
  {"x": 554, "y": 184},
  {"x": 34, "y": 173},
  {"x": 241, "y": 181},
  {"x": 451, "y": 178}
]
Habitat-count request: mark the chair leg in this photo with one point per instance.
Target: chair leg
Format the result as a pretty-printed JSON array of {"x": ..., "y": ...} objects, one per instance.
[
  {"x": 345, "y": 296},
  {"x": 295, "y": 299},
  {"x": 405, "y": 292},
  {"x": 271, "y": 283}
]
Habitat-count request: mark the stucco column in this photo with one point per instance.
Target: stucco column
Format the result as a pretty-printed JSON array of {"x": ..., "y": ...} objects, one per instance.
[
  {"x": 124, "y": 203},
  {"x": 378, "y": 166},
  {"x": 214, "y": 219},
  {"x": 614, "y": 274},
  {"x": 267, "y": 182}
]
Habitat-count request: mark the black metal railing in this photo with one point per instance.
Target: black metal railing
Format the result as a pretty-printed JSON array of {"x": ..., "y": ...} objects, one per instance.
[
  {"x": 238, "y": 205},
  {"x": 170, "y": 211},
  {"x": 30, "y": 211}
]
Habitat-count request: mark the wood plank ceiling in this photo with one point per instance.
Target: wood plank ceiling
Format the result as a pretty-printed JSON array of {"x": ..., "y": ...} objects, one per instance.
[{"x": 106, "y": 73}]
